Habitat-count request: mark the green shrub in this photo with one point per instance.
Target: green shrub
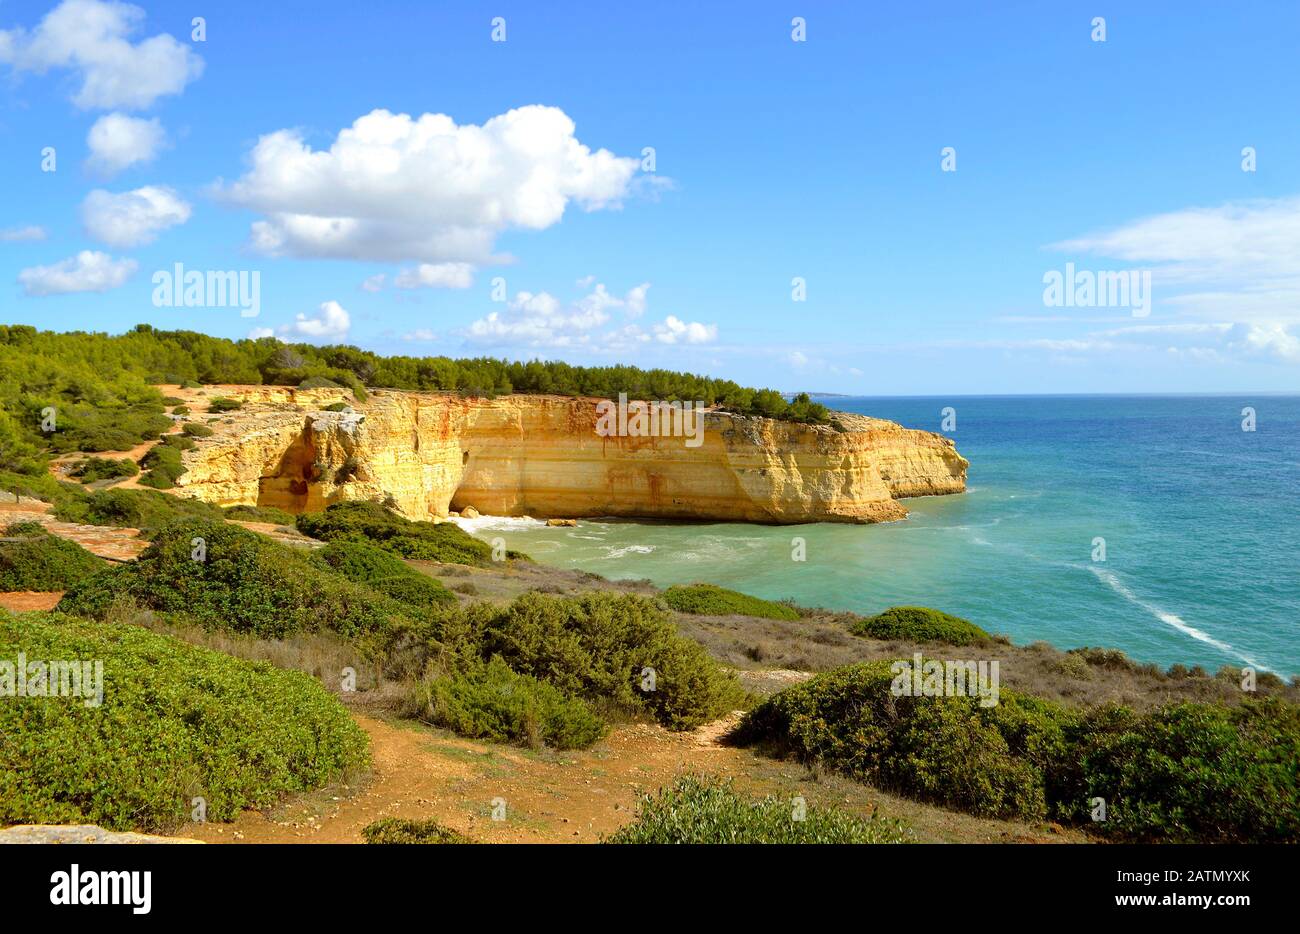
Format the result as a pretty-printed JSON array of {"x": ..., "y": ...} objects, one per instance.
[
  {"x": 181, "y": 410},
  {"x": 180, "y": 442},
  {"x": 100, "y": 468},
  {"x": 710, "y": 600},
  {"x": 700, "y": 809},
  {"x": 1189, "y": 772},
  {"x": 106, "y": 428},
  {"x": 195, "y": 430},
  {"x": 245, "y": 583},
  {"x": 380, "y": 526},
  {"x": 259, "y": 514},
  {"x": 489, "y": 701},
  {"x": 176, "y": 721},
  {"x": 162, "y": 465},
  {"x": 133, "y": 509},
  {"x": 319, "y": 382},
  {"x": 921, "y": 624},
  {"x": 382, "y": 571},
  {"x": 1183, "y": 772},
  {"x": 601, "y": 647},
  {"x": 222, "y": 404},
  {"x": 396, "y": 830},
  {"x": 990, "y": 761},
  {"x": 33, "y": 559},
  {"x": 41, "y": 486},
  {"x": 338, "y": 407}
]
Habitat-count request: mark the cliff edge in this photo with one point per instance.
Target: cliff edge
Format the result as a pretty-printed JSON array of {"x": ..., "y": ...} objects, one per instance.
[{"x": 542, "y": 456}]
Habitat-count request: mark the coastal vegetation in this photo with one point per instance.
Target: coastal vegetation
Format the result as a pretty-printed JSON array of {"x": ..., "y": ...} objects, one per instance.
[
  {"x": 700, "y": 809},
  {"x": 921, "y": 624},
  {"x": 375, "y": 524},
  {"x": 175, "y": 722},
  {"x": 93, "y": 469},
  {"x": 33, "y": 559},
  {"x": 711, "y": 600},
  {"x": 1181, "y": 772}
]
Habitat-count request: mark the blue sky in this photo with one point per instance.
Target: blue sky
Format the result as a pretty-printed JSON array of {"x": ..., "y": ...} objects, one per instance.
[{"x": 774, "y": 159}]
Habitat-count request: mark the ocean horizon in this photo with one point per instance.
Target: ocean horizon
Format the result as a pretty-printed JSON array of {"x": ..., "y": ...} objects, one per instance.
[{"x": 1152, "y": 523}]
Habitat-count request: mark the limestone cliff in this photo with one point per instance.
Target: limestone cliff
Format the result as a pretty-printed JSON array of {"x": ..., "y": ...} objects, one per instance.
[{"x": 542, "y": 456}]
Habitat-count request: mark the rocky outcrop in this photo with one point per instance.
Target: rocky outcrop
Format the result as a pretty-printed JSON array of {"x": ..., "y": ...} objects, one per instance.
[
  {"x": 79, "y": 833},
  {"x": 427, "y": 454}
]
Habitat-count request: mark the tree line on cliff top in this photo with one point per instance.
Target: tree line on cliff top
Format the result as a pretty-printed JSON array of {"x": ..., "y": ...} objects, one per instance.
[{"x": 103, "y": 386}]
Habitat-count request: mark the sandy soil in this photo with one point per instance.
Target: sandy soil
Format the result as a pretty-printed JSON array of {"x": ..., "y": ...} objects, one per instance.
[{"x": 565, "y": 797}]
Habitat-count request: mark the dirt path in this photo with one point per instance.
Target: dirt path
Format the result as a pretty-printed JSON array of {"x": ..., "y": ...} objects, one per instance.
[
  {"x": 570, "y": 797},
  {"x": 22, "y": 601}
]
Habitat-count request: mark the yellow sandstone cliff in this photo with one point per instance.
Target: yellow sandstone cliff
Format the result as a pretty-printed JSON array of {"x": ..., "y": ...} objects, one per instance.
[{"x": 428, "y": 453}]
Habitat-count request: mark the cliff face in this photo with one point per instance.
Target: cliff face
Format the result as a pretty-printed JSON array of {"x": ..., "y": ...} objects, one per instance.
[{"x": 542, "y": 456}]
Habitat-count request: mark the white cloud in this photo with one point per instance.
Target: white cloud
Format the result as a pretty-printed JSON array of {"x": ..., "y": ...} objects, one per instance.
[
  {"x": 91, "y": 38},
  {"x": 374, "y": 283},
  {"x": 258, "y": 333},
  {"x": 1240, "y": 260},
  {"x": 420, "y": 334},
  {"x": 436, "y": 276},
  {"x": 332, "y": 322},
  {"x": 19, "y": 234},
  {"x": 541, "y": 320},
  {"x": 586, "y": 282},
  {"x": 674, "y": 331},
  {"x": 798, "y": 359},
  {"x": 132, "y": 218},
  {"x": 88, "y": 271},
  {"x": 117, "y": 142},
  {"x": 392, "y": 187}
]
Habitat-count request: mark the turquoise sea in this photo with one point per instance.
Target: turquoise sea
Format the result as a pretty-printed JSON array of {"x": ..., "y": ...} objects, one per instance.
[{"x": 1201, "y": 522}]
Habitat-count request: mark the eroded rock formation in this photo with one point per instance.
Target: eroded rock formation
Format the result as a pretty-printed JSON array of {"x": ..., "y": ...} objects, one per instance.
[{"x": 541, "y": 456}]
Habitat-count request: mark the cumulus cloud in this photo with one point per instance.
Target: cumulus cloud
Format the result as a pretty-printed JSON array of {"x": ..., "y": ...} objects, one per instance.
[
  {"x": 436, "y": 276},
  {"x": 88, "y": 271},
  {"x": 258, "y": 333},
  {"x": 20, "y": 234},
  {"x": 396, "y": 188},
  {"x": 118, "y": 142},
  {"x": 542, "y": 320},
  {"x": 676, "y": 331},
  {"x": 420, "y": 334},
  {"x": 132, "y": 218},
  {"x": 91, "y": 38},
  {"x": 1240, "y": 260},
  {"x": 374, "y": 283},
  {"x": 331, "y": 322}
]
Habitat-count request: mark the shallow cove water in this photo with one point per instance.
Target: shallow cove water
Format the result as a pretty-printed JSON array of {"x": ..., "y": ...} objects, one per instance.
[{"x": 1201, "y": 522}]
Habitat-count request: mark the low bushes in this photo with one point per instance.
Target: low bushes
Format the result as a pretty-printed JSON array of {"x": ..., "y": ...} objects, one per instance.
[
  {"x": 243, "y": 582},
  {"x": 162, "y": 465},
  {"x": 33, "y": 559},
  {"x": 380, "y": 526},
  {"x": 921, "y": 624},
  {"x": 106, "y": 428},
  {"x": 396, "y": 830},
  {"x": 133, "y": 509},
  {"x": 709, "y": 600},
  {"x": 489, "y": 701},
  {"x": 699, "y": 809},
  {"x": 259, "y": 514},
  {"x": 176, "y": 721},
  {"x": 1182, "y": 772},
  {"x": 223, "y": 404},
  {"x": 195, "y": 430},
  {"x": 382, "y": 571},
  {"x": 102, "y": 468},
  {"x": 615, "y": 649}
]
